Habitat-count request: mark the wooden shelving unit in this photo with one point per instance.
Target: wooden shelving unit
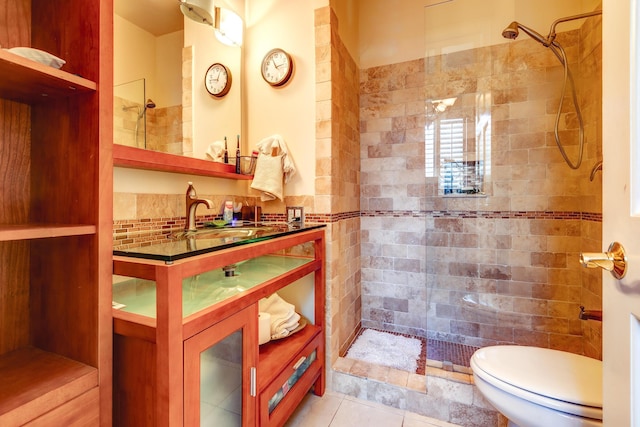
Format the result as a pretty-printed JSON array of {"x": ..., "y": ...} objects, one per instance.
[
  {"x": 28, "y": 81},
  {"x": 35, "y": 231},
  {"x": 56, "y": 214},
  {"x": 57, "y": 376}
]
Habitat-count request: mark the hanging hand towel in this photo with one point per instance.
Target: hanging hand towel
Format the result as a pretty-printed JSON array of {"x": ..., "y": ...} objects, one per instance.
[{"x": 274, "y": 165}]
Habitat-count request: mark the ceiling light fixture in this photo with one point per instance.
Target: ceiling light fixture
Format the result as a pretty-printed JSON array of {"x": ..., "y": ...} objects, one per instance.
[
  {"x": 198, "y": 10},
  {"x": 227, "y": 24}
]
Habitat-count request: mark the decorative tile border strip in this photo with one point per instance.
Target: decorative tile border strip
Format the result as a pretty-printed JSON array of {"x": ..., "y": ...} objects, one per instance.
[
  {"x": 133, "y": 233},
  {"x": 586, "y": 216}
]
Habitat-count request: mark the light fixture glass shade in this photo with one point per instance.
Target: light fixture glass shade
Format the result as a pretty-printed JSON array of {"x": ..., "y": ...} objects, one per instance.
[
  {"x": 228, "y": 27},
  {"x": 201, "y": 11}
]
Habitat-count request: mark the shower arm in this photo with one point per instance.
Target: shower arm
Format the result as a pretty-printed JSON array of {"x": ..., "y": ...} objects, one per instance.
[{"x": 552, "y": 32}]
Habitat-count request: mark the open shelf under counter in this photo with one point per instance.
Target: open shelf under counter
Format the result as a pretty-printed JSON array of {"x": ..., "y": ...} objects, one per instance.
[
  {"x": 35, "y": 381},
  {"x": 27, "y": 81},
  {"x": 42, "y": 231},
  {"x": 138, "y": 158}
]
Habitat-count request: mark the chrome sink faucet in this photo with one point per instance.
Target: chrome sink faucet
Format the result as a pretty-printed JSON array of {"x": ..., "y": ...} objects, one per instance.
[{"x": 192, "y": 201}]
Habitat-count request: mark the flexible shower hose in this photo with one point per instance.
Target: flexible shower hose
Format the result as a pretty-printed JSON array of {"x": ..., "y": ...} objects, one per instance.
[{"x": 557, "y": 49}]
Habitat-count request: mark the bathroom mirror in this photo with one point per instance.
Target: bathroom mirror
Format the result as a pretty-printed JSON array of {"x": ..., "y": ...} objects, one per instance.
[{"x": 160, "y": 101}]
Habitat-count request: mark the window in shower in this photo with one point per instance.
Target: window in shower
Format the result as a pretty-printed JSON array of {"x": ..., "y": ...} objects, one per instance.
[{"x": 457, "y": 144}]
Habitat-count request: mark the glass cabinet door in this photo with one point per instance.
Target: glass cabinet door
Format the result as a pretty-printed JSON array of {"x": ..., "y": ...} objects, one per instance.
[{"x": 219, "y": 377}]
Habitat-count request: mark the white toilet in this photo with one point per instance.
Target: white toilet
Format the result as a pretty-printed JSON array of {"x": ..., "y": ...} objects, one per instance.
[{"x": 539, "y": 387}]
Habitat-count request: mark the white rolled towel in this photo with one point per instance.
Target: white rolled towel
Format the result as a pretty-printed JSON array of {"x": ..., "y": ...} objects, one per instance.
[
  {"x": 283, "y": 315},
  {"x": 285, "y": 327}
]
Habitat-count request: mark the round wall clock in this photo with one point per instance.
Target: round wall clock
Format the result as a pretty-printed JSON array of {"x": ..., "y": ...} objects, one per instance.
[
  {"x": 277, "y": 67},
  {"x": 217, "y": 80}
]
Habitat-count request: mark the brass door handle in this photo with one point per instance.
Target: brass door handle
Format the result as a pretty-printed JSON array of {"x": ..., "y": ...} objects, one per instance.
[{"x": 614, "y": 260}]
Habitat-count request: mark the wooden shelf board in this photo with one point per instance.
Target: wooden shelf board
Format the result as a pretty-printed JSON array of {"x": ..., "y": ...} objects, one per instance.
[
  {"x": 275, "y": 354},
  {"x": 41, "y": 231},
  {"x": 24, "y": 80},
  {"x": 132, "y": 157},
  {"x": 35, "y": 381}
]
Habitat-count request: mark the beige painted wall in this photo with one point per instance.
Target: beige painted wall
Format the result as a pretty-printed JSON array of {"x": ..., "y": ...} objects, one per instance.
[
  {"x": 168, "y": 88},
  {"x": 390, "y": 35},
  {"x": 213, "y": 118},
  {"x": 139, "y": 54},
  {"x": 290, "y": 110},
  {"x": 348, "y": 14}
]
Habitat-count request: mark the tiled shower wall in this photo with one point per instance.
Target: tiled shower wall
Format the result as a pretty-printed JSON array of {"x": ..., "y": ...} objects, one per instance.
[
  {"x": 500, "y": 267},
  {"x": 338, "y": 177},
  {"x": 163, "y": 126}
]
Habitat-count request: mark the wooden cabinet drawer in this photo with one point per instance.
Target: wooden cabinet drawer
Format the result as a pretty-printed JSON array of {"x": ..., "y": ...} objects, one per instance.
[{"x": 279, "y": 399}]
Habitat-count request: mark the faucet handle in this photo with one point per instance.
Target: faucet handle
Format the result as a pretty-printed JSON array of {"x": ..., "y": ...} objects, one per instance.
[{"x": 614, "y": 260}]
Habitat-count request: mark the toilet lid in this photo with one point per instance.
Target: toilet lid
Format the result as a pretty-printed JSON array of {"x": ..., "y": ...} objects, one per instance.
[{"x": 555, "y": 374}]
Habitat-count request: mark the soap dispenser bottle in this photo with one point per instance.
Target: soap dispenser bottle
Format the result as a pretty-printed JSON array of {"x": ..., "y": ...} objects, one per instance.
[{"x": 227, "y": 213}]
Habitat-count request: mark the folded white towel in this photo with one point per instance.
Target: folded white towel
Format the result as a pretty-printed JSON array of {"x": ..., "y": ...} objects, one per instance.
[
  {"x": 274, "y": 165},
  {"x": 285, "y": 327},
  {"x": 283, "y": 315},
  {"x": 215, "y": 151}
]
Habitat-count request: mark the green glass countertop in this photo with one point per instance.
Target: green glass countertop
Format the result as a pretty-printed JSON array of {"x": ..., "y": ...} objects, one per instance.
[
  {"x": 204, "y": 290},
  {"x": 185, "y": 244}
]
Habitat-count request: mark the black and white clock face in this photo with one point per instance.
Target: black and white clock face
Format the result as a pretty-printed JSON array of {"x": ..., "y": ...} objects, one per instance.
[
  {"x": 277, "y": 67},
  {"x": 217, "y": 80}
]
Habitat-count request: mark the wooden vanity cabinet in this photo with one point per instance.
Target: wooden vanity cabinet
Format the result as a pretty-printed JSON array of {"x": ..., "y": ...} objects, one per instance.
[
  {"x": 56, "y": 214},
  {"x": 160, "y": 359}
]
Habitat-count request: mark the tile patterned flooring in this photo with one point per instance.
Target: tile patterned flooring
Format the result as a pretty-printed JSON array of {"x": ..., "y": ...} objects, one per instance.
[
  {"x": 339, "y": 410},
  {"x": 456, "y": 354}
]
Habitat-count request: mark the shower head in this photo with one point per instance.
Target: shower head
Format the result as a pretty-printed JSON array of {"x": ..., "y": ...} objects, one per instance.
[
  {"x": 149, "y": 105},
  {"x": 511, "y": 32}
]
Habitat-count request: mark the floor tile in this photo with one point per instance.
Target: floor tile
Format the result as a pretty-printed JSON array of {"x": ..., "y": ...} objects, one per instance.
[
  {"x": 315, "y": 411},
  {"x": 339, "y": 410},
  {"x": 352, "y": 413}
]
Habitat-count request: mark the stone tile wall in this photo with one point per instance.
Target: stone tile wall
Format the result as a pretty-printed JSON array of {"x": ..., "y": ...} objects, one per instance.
[
  {"x": 501, "y": 267},
  {"x": 338, "y": 178},
  {"x": 163, "y": 126}
]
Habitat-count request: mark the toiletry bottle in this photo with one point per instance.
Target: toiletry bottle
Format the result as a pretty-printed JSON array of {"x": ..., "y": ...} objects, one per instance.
[
  {"x": 238, "y": 154},
  {"x": 227, "y": 215},
  {"x": 226, "y": 153}
]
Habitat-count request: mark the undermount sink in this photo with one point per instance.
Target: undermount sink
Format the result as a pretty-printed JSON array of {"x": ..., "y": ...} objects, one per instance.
[{"x": 242, "y": 232}]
